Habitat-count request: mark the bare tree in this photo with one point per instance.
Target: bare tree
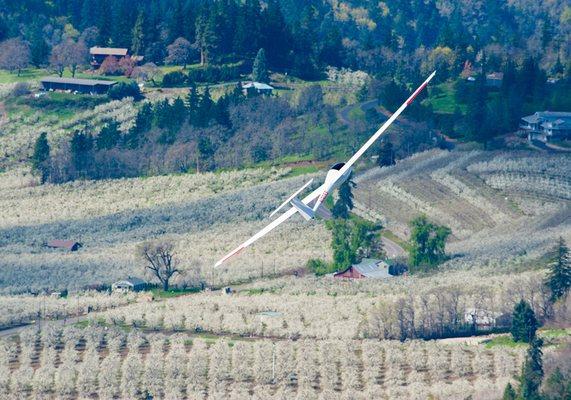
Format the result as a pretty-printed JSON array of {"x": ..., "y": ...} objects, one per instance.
[
  {"x": 68, "y": 54},
  {"x": 160, "y": 260},
  {"x": 147, "y": 73},
  {"x": 14, "y": 55},
  {"x": 179, "y": 52}
]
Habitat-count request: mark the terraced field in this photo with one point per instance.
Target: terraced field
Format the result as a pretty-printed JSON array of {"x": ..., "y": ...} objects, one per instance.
[{"x": 498, "y": 202}]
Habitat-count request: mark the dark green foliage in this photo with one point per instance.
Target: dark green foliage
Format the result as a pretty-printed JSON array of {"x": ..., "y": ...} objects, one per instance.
[
  {"x": 557, "y": 386},
  {"x": 125, "y": 89},
  {"x": 386, "y": 154},
  {"x": 509, "y": 393},
  {"x": 259, "y": 153},
  {"x": 353, "y": 240},
  {"x": 109, "y": 136},
  {"x": 428, "y": 241},
  {"x": 524, "y": 323},
  {"x": 81, "y": 147},
  {"x": 260, "y": 68},
  {"x": 205, "y": 108},
  {"x": 559, "y": 277},
  {"x": 391, "y": 94},
  {"x": 174, "y": 79},
  {"x": 41, "y": 156},
  {"x": 344, "y": 202},
  {"x": 532, "y": 372},
  {"x": 320, "y": 267},
  {"x": 143, "y": 123}
]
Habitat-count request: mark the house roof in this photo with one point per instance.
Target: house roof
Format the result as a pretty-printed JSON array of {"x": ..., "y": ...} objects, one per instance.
[
  {"x": 495, "y": 75},
  {"x": 548, "y": 116},
  {"x": 108, "y": 51},
  {"x": 63, "y": 244},
  {"x": 75, "y": 81},
  {"x": 257, "y": 85},
  {"x": 132, "y": 280},
  {"x": 372, "y": 268}
]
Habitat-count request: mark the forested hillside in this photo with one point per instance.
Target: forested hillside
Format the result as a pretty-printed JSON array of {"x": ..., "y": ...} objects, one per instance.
[{"x": 400, "y": 37}]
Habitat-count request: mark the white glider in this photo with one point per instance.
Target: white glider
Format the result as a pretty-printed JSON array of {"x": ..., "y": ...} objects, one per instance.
[{"x": 312, "y": 204}]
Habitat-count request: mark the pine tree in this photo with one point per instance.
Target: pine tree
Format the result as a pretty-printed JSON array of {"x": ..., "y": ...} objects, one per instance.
[
  {"x": 205, "y": 37},
  {"x": 524, "y": 323},
  {"x": 386, "y": 154},
  {"x": 81, "y": 146},
  {"x": 39, "y": 49},
  {"x": 559, "y": 276},
  {"x": 193, "y": 102},
  {"x": 509, "y": 393},
  {"x": 344, "y": 203},
  {"x": 138, "y": 41},
  {"x": 260, "y": 68},
  {"x": 41, "y": 156},
  {"x": 109, "y": 136},
  {"x": 204, "y": 108},
  {"x": 532, "y": 373}
]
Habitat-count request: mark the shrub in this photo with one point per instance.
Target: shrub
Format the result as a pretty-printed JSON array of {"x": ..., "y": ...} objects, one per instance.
[
  {"x": 21, "y": 89},
  {"x": 174, "y": 79},
  {"x": 125, "y": 89},
  {"x": 319, "y": 267}
]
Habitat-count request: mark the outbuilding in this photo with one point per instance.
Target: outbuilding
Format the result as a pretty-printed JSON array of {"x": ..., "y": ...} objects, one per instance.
[
  {"x": 253, "y": 88},
  {"x": 69, "y": 245},
  {"x": 368, "y": 268},
  {"x": 88, "y": 86},
  {"x": 131, "y": 284}
]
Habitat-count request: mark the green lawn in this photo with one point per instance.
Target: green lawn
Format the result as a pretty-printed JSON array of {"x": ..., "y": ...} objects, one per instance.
[
  {"x": 27, "y": 74},
  {"x": 503, "y": 340},
  {"x": 442, "y": 99},
  {"x": 161, "y": 294}
]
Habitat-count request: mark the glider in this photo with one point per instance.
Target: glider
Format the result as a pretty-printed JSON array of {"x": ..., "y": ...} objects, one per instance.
[{"x": 312, "y": 205}]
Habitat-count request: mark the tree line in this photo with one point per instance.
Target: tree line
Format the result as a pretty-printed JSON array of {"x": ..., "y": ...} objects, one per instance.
[{"x": 403, "y": 39}]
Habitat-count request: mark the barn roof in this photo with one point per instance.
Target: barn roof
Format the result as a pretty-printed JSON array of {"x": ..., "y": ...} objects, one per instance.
[
  {"x": 132, "y": 280},
  {"x": 108, "y": 51},
  {"x": 372, "y": 268},
  {"x": 257, "y": 85},
  {"x": 64, "y": 244},
  {"x": 76, "y": 81}
]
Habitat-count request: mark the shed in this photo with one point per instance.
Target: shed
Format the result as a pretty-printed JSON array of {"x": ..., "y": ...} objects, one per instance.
[
  {"x": 99, "y": 54},
  {"x": 494, "y": 79},
  {"x": 368, "y": 268},
  {"x": 70, "y": 245},
  {"x": 89, "y": 86},
  {"x": 131, "y": 284},
  {"x": 256, "y": 88}
]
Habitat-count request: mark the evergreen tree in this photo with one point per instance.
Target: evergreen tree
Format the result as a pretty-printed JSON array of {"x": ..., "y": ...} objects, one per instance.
[
  {"x": 143, "y": 123},
  {"x": 476, "y": 111},
  {"x": 524, "y": 323},
  {"x": 557, "y": 386},
  {"x": 532, "y": 373},
  {"x": 275, "y": 33},
  {"x": 109, "y": 136},
  {"x": 386, "y": 154},
  {"x": 559, "y": 276},
  {"x": 138, "y": 44},
  {"x": 178, "y": 114},
  {"x": 81, "y": 146},
  {"x": 206, "y": 38},
  {"x": 260, "y": 68},
  {"x": 344, "y": 203},
  {"x": 204, "y": 108},
  {"x": 509, "y": 393},
  {"x": 193, "y": 102},
  {"x": 39, "y": 49},
  {"x": 41, "y": 156}
]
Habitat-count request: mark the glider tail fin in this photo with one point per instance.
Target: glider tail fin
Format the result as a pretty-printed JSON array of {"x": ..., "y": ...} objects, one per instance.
[
  {"x": 290, "y": 198},
  {"x": 306, "y": 212}
]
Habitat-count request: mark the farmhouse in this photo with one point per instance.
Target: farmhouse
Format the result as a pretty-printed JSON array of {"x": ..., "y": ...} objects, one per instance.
[
  {"x": 494, "y": 79},
  {"x": 88, "y": 86},
  {"x": 64, "y": 244},
  {"x": 249, "y": 88},
  {"x": 367, "y": 268},
  {"x": 99, "y": 54},
  {"x": 131, "y": 284},
  {"x": 546, "y": 125}
]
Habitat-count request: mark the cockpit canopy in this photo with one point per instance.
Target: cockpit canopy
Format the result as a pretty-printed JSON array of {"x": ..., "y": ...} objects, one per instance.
[{"x": 338, "y": 166}]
